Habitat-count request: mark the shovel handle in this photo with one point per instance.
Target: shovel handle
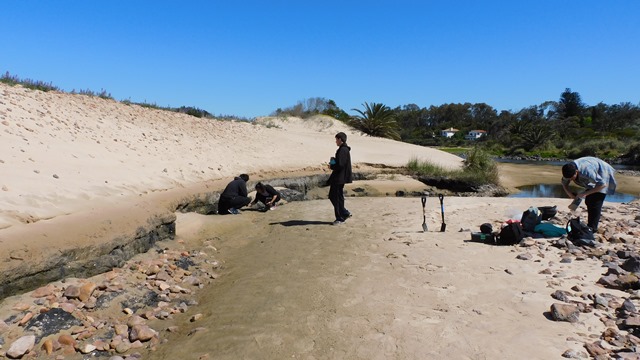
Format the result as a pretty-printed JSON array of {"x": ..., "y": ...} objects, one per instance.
[{"x": 424, "y": 201}]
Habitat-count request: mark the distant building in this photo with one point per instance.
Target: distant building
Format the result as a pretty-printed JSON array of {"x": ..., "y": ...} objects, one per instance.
[
  {"x": 475, "y": 134},
  {"x": 448, "y": 133}
]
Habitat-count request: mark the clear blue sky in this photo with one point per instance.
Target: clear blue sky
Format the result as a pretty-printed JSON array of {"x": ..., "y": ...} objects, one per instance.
[{"x": 248, "y": 58}]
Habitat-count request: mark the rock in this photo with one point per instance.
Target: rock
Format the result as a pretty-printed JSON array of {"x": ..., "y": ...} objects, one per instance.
[
  {"x": 72, "y": 292},
  {"x": 68, "y": 307},
  {"x": 572, "y": 354},
  {"x": 25, "y": 319},
  {"x": 121, "y": 329},
  {"x": 628, "y": 281},
  {"x": 191, "y": 280},
  {"x": 87, "y": 348},
  {"x": 47, "y": 346},
  {"x": 43, "y": 291},
  {"x": 123, "y": 347},
  {"x": 21, "y": 346},
  {"x": 135, "y": 320},
  {"x": 609, "y": 281},
  {"x": 561, "y": 295},
  {"x": 196, "y": 317},
  {"x": 632, "y": 321},
  {"x": 595, "y": 349},
  {"x": 632, "y": 264},
  {"x": 142, "y": 333},
  {"x": 565, "y": 312},
  {"x": 628, "y": 307},
  {"x": 546, "y": 271},
  {"x": 67, "y": 340},
  {"x": 86, "y": 290},
  {"x": 525, "y": 256},
  {"x": 627, "y": 356},
  {"x": 163, "y": 276}
]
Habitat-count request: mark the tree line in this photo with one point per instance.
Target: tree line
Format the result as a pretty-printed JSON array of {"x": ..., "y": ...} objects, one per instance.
[{"x": 566, "y": 128}]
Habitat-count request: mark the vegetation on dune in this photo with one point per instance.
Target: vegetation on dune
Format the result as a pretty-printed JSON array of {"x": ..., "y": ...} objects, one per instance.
[
  {"x": 566, "y": 128},
  {"x": 479, "y": 169},
  {"x": 13, "y": 80}
]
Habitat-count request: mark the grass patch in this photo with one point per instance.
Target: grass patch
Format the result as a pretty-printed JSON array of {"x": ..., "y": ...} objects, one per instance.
[
  {"x": 478, "y": 169},
  {"x": 454, "y": 150}
]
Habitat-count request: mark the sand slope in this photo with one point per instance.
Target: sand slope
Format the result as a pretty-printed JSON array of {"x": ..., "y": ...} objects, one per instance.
[{"x": 62, "y": 153}]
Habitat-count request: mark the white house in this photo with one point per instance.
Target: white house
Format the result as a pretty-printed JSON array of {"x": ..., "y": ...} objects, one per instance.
[
  {"x": 448, "y": 132},
  {"x": 475, "y": 134}
]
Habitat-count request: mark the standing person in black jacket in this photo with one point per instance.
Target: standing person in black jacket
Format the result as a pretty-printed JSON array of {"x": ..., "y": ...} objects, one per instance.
[
  {"x": 234, "y": 196},
  {"x": 340, "y": 175}
]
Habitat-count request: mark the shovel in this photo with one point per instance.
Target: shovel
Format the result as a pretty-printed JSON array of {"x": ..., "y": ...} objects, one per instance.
[
  {"x": 424, "y": 215},
  {"x": 443, "y": 227}
]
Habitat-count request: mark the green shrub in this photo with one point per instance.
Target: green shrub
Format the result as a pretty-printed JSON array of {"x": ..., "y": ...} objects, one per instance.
[{"x": 478, "y": 169}]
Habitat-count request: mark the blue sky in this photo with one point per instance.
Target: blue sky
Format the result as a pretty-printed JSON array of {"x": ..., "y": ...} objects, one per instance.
[{"x": 249, "y": 58}]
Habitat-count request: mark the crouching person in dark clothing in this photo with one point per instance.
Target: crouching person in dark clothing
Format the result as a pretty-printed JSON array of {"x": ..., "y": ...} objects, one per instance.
[
  {"x": 267, "y": 195},
  {"x": 234, "y": 196}
]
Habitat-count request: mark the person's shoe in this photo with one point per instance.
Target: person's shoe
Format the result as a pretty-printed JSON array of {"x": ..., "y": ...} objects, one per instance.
[
  {"x": 348, "y": 215},
  {"x": 272, "y": 207},
  {"x": 338, "y": 222},
  {"x": 234, "y": 211}
]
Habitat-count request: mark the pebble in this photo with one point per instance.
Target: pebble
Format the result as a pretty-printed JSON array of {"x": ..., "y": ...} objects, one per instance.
[{"x": 21, "y": 346}]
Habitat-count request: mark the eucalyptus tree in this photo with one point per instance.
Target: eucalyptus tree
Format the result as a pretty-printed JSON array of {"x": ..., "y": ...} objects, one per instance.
[{"x": 376, "y": 120}]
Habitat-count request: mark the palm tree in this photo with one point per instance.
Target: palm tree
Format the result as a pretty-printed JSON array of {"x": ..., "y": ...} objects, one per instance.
[{"x": 376, "y": 120}]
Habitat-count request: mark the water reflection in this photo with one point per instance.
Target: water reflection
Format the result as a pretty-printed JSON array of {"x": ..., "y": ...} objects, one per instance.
[
  {"x": 556, "y": 191},
  {"x": 559, "y": 163}
]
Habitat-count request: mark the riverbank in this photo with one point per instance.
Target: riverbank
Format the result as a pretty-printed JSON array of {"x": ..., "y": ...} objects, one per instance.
[
  {"x": 91, "y": 186},
  {"x": 286, "y": 283}
]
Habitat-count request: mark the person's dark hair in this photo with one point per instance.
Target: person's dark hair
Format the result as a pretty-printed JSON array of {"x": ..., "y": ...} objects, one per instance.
[
  {"x": 244, "y": 177},
  {"x": 569, "y": 169},
  {"x": 259, "y": 186},
  {"x": 342, "y": 136}
]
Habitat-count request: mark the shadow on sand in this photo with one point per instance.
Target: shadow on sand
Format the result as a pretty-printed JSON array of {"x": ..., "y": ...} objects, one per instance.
[{"x": 301, "y": 222}]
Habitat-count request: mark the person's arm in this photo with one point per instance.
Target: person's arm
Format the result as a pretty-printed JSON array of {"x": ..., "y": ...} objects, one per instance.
[
  {"x": 568, "y": 191},
  {"x": 591, "y": 191},
  {"x": 340, "y": 159},
  {"x": 275, "y": 195}
]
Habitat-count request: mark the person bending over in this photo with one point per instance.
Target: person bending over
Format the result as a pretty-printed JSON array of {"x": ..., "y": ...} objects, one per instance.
[
  {"x": 267, "y": 195},
  {"x": 596, "y": 176}
]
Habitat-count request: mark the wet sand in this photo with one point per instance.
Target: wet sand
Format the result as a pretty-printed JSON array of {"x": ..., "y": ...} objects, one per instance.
[{"x": 376, "y": 288}]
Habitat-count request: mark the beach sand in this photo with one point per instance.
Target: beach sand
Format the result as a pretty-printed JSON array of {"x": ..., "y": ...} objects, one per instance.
[{"x": 285, "y": 283}]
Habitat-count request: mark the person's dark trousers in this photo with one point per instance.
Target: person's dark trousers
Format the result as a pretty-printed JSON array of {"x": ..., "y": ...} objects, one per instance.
[
  {"x": 227, "y": 203},
  {"x": 336, "y": 195},
  {"x": 594, "y": 209}
]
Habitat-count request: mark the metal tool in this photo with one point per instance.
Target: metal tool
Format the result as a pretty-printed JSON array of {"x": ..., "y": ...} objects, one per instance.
[
  {"x": 443, "y": 227},
  {"x": 424, "y": 214}
]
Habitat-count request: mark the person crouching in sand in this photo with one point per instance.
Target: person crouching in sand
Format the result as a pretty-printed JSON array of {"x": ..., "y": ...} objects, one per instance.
[
  {"x": 234, "y": 196},
  {"x": 267, "y": 195}
]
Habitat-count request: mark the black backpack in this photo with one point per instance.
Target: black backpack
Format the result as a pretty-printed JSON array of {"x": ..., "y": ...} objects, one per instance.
[
  {"x": 530, "y": 218},
  {"x": 510, "y": 234},
  {"x": 580, "y": 233}
]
